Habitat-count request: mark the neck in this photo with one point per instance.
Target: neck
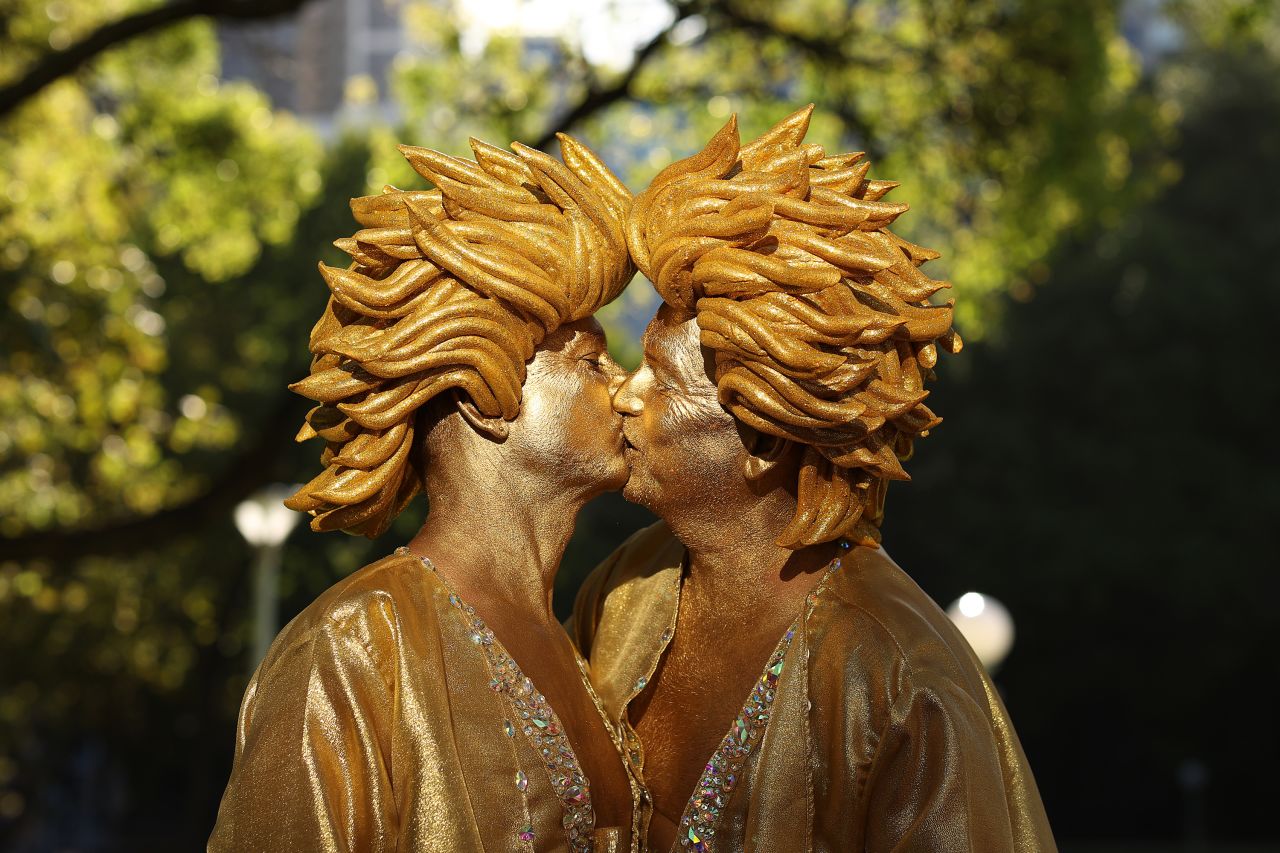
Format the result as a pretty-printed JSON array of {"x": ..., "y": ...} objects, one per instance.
[
  {"x": 735, "y": 563},
  {"x": 498, "y": 540}
]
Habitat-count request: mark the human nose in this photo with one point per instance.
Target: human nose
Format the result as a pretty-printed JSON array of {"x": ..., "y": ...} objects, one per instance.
[{"x": 626, "y": 397}]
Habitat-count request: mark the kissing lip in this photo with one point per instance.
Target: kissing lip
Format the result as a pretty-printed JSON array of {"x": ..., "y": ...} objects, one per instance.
[{"x": 626, "y": 439}]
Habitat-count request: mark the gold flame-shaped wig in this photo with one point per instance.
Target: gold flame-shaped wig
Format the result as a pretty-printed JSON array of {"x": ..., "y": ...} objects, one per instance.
[
  {"x": 450, "y": 288},
  {"x": 819, "y": 317}
]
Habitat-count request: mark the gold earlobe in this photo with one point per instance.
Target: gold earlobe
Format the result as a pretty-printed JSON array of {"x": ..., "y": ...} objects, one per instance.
[{"x": 495, "y": 428}]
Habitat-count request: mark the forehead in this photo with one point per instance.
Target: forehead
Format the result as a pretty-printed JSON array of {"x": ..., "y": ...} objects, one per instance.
[
  {"x": 671, "y": 344},
  {"x": 580, "y": 334}
]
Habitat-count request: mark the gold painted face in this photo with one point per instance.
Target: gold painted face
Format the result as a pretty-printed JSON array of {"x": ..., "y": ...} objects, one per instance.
[
  {"x": 566, "y": 422},
  {"x": 682, "y": 446}
]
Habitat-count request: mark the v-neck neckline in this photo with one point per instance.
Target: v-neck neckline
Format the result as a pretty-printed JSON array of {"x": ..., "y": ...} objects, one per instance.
[
  {"x": 723, "y": 770},
  {"x": 720, "y": 775},
  {"x": 537, "y": 720}
]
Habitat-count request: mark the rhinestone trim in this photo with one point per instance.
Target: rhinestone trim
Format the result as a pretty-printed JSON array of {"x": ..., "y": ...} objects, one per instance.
[
  {"x": 720, "y": 776},
  {"x": 540, "y": 725}
]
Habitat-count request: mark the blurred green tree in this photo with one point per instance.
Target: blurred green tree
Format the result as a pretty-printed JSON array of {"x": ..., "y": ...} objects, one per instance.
[
  {"x": 144, "y": 158},
  {"x": 72, "y": 50},
  {"x": 146, "y": 214}
]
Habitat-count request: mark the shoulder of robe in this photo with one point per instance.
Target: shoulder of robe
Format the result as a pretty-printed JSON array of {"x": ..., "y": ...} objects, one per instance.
[
  {"x": 371, "y": 607},
  {"x": 885, "y": 629},
  {"x": 647, "y": 551}
]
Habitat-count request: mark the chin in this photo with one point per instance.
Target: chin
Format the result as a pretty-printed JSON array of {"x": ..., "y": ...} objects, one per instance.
[
  {"x": 621, "y": 475},
  {"x": 640, "y": 489},
  {"x": 607, "y": 473}
]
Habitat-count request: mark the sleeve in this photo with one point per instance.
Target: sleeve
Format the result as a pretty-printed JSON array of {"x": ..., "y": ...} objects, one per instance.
[
  {"x": 938, "y": 781},
  {"x": 312, "y": 764}
]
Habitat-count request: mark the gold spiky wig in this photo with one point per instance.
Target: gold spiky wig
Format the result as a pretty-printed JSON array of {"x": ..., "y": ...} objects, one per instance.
[
  {"x": 450, "y": 288},
  {"x": 817, "y": 316}
]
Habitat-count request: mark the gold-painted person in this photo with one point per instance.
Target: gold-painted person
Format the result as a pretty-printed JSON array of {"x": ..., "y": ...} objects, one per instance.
[
  {"x": 779, "y": 682},
  {"x": 431, "y": 701}
]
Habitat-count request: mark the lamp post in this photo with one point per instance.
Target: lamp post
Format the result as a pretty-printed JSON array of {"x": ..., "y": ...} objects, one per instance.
[
  {"x": 986, "y": 624},
  {"x": 264, "y": 521}
]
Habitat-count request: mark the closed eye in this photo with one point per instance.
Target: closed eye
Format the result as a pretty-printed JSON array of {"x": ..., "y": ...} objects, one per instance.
[{"x": 595, "y": 361}]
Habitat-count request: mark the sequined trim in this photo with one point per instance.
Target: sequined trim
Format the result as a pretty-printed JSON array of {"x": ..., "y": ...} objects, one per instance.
[
  {"x": 539, "y": 723},
  {"x": 698, "y": 825},
  {"x": 720, "y": 776}
]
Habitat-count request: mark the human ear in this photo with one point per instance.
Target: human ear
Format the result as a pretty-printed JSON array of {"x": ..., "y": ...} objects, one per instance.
[
  {"x": 495, "y": 428},
  {"x": 764, "y": 452}
]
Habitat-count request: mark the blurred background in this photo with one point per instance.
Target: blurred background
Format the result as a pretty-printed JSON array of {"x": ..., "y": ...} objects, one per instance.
[{"x": 1100, "y": 176}]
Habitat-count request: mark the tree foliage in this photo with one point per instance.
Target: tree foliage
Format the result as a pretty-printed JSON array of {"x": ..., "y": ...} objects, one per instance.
[
  {"x": 146, "y": 163},
  {"x": 1008, "y": 124}
]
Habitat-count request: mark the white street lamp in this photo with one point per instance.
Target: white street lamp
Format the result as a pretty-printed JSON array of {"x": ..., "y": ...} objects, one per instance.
[
  {"x": 264, "y": 521},
  {"x": 986, "y": 624}
]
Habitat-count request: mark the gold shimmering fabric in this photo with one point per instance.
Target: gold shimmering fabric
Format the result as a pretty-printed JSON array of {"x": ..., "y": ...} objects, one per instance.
[
  {"x": 373, "y": 725},
  {"x": 884, "y": 731}
]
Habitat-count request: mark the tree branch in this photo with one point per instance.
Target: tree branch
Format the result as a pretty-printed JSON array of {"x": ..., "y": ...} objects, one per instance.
[
  {"x": 53, "y": 66},
  {"x": 829, "y": 50},
  {"x": 596, "y": 98},
  {"x": 743, "y": 21}
]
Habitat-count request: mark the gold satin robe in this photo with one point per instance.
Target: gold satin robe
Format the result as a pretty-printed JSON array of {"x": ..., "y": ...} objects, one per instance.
[
  {"x": 373, "y": 725},
  {"x": 885, "y": 733}
]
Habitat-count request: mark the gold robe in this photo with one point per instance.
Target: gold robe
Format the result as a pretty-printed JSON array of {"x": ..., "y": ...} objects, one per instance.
[
  {"x": 377, "y": 723},
  {"x": 885, "y": 733}
]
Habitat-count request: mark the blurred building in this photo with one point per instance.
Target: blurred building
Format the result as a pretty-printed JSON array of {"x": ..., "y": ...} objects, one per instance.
[{"x": 333, "y": 56}]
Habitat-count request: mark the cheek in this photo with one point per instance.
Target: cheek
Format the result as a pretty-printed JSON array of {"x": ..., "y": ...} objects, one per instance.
[
  {"x": 591, "y": 398},
  {"x": 688, "y": 426},
  {"x": 684, "y": 416},
  {"x": 574, "y": 410},
  {"x": 542, "y": 405}
]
